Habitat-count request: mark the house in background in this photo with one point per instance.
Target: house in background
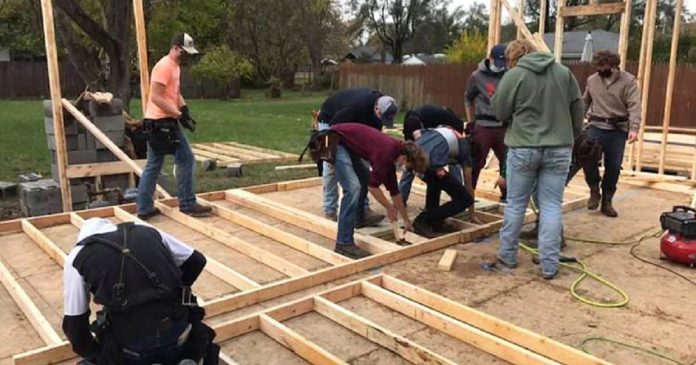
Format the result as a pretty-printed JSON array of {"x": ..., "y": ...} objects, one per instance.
[
  {"x": 369, "y": 54},
  {"x": 423, "y": 59},
  {"x": 574, "y": 42}
]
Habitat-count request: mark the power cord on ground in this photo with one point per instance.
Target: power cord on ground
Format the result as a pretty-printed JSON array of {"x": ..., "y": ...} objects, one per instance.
[{"x": 629, "y": 346}]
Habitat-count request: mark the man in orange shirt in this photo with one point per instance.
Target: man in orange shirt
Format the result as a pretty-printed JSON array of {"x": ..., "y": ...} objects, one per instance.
[{"x": 165, "y": 109}]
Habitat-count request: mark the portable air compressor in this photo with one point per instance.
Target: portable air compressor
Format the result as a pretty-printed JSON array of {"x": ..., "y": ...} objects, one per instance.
[{"x": 678, "y": 244}]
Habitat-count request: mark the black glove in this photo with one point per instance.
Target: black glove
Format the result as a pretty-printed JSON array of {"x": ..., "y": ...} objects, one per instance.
[{"x": 186, "y": 120}]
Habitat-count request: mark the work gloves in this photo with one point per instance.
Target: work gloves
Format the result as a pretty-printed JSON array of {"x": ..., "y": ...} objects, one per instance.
[{"x": 186, "y": 120}]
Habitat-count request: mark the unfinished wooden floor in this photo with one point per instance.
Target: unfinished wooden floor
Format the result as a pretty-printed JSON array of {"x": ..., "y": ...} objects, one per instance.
[
  {"x": 225, "y": 153},
  {"x": 259, "y": 247}
]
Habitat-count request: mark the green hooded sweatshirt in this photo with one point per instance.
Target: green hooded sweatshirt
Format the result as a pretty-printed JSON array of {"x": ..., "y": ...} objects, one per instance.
[{"x": 541, "y": 99}]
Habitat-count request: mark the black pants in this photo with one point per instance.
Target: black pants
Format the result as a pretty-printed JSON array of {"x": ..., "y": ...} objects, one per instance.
[
  {"x": 460, "y": 198},
  {"x": 613, "y": 143}
]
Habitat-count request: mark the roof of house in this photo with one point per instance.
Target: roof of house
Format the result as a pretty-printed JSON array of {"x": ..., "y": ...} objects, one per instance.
[
  {"x": 421, "y": 59},
  {"x": 574, "y": 42},
  {"x": 372, "y": 53}
]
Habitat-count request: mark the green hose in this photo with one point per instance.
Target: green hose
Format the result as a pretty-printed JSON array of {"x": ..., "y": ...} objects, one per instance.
[{"x": 629, "y": 346}]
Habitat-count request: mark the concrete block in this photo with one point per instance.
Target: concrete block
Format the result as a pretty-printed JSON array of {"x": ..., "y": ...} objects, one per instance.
[
  {"x": 79, "y": 193},
  {"x": 71, "y": 142},
  {"x": 7, "y": 189},
  {"x": 234, "y": 169},
  {"x": 120, "y": 181},
  {"x": 111, "y": 123},
  {"x": 32, "y": 176},
  {"x": 70, "y": 126},
  {"x": 105, "y": 156},
  {"x": 78, "y": 157},
  {"x": 114, "y": 108},
  {"x": 117, "y": 137},
  {"x": 40, "y": 197}
]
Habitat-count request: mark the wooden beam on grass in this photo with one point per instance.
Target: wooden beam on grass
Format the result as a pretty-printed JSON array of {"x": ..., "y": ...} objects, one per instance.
[
  {"x": 645, "y": 95},
  {"x": 214, "y": 267},
  {"x": 261, "y": 149},
  {"x": 667, "y": 117},
  {"x": 224, "y": 152},
  {"x": 265, "y": 257},
  {"x": 45, "y": 243},
  {"x": 27, "y": 306},
  {"x": 305, "y": 220},
  {"x": 373, "y": 332},
  {"x": 247, "y": 153},
  {"x": 297, "y": 343},
  {"x": 540, "y": 344},
  {"x": 54, "y": 86},
  {"x": 141, "y": 40},
  {"x": 593, "y": 9},
  {"x": 462, "y": 331},
  {"x": 99, "y": 135},
  {"x": 279, "y": 235}
]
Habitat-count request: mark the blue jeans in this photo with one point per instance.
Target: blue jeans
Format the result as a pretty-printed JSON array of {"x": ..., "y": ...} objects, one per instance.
[
  {"x": 408, "y": 176},
  {"x": 354, "y": 176},
  {"x": 185, "y": 163},
  {"x": 330, "y": 184},
  {"x": 547, "y": 169}
]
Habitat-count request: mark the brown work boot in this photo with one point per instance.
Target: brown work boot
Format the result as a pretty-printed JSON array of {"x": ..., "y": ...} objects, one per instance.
[
  {"x": 351, "y": 251},
  {"x": 595, "y": 198},
  {"x": 371, "y": 218},
  {"x": 198, "y": 211},
  {"x": 607, "y": 208}
]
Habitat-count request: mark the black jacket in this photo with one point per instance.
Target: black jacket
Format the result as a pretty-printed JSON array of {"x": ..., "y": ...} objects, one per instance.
[{"x": 351, "y": 106}]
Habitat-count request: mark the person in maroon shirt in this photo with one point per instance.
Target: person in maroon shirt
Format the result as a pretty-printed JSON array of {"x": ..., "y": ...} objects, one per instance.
[{"x": 384, "y": 153}]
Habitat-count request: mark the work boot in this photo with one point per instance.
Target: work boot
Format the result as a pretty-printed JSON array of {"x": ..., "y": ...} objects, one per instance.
[
  {"x": 198, "y": 211},
  {"x": 149, "y": 215},
  {"x": 331, "y": 216},
  {"x": 371, "y": 218},
  {"x": 531, "y": 234},
  {"x": 595, "y": 198},
  {"x": 607, "y": 208},
  {"x": 421, "y": 227},
  {"x": 352, "y": 251}
]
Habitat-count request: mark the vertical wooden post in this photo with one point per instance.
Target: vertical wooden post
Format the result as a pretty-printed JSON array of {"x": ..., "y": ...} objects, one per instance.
[
  {"x": 624, "y": 33},
  {"x": 542, "y": 17},
  {"x": 646, "y": 80},
  {"x": 57, "y": 106},
  {"x": 520, "y": 10},
  {"x": 498, "y": 21},
  {"x": 560, "y": 25},
  {"x": 141, "y": 37},
  {"x": 666, "y": 119},
  {"x": 491, "y": 25}
]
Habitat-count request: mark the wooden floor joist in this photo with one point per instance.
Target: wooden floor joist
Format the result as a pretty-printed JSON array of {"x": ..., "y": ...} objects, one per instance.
[{"x": 51, "y": 249}]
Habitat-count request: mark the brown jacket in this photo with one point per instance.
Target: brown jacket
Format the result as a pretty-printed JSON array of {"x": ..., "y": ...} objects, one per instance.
[{"x": 619, "y": 98}]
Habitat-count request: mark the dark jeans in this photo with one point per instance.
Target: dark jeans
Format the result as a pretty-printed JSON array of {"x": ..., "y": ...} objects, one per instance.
[
  {"x": 613, "y": 143},
  {"x": 485, "y": 139},
  {"x": 460, "y": 198}
]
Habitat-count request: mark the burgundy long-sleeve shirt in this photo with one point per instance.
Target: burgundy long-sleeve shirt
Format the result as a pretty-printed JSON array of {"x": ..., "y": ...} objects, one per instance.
[{"x": 380, "y": 150}]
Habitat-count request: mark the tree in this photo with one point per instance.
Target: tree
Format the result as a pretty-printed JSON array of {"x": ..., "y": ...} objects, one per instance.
[
  {"x": 18, "y": 30},
  {"x": 476, "y": 19},
  {"x": 469, "y": 48},
  {"x": 438, "y": 30},
  {"x": 394, "y": 21},
  {"x": 322, "y": 24},
  {"x": 223, "y": 66}
]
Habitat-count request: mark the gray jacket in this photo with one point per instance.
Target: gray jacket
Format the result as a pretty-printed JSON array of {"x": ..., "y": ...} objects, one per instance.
[{"x": 482, "y": 85}]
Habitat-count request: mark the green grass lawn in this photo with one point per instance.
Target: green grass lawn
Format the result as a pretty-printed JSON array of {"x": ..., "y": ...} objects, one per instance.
[{"x": 280, "y": 124}]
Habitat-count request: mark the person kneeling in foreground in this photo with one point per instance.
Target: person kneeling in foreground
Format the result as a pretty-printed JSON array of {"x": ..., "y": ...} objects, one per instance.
[
  {"x": 543, "y": 100},
  {"x": 443, "y": 146},
  {"x": 358, "y": 141},
  {"x": 142, "y": 279}
]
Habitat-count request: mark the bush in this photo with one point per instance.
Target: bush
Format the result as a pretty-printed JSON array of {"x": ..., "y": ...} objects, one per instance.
[
  {"x": 223, "y": 66},
  {"x": 470, "y": 47}
]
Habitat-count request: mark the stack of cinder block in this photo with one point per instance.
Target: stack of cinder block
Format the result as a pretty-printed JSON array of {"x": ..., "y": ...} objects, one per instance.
[
  {"x": 83, "y": 148},
  {"x": 39, "y": 197}
]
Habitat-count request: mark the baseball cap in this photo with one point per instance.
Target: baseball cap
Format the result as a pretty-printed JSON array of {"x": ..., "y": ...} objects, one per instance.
[
  {"x": 387, "y": 108},
  {"x": 498, "y": 55},
  {"x": 184, "y": 41}
]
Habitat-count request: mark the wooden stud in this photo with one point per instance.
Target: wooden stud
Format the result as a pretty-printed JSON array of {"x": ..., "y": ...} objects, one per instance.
[
  {"x": 305, "y": 220},
  {"x": 214, "y": 267},
  {"x": 30, "y": 310},
  {"x": 45, "y": 243},
  {"x": 226, "y": 359},
  {"x": 498, "y": 22},
  {"x": 373, "y": 332},
  {"x": 520, "y": 13},
  {"x": 224, "y": 152},
  {"x": 267, "y": 258},
  {"x": 102, "y": 168},
  {"x": 542, "y": 17},
  {"x": 288, "y": 239},
  {"x": 52, "y": 354},
  {"x": 522, "y": 27},
  {"x": 624, "y": 33},
  {"x": 54, "y": 86},
  {"x": 141, "y": 39},
  {"x": 645, "y": 95},
  {"x": 491, "y": 25},
  {"x": 296, "y": 343},
  {"x": 462, "y": 331},
  {"x": 296, "y": 167},
  {"x": 261, "y": 149},
  {"x": 99, "y": 135},
  {"x": 203, "y": 155},
  {"x": 543, "y": 345},
  {"x": 76, "y": 220},
  {"x": 593, "y": 9},
  {"x": 676, "y": 31},
  {"x": 560, "y": 27},
  {"x": 447, "y": 260},
  {"x": 247, "y": 153}
]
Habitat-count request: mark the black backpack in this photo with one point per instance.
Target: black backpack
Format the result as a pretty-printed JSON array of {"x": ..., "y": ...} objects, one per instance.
[{"x": 321, "y": 146}]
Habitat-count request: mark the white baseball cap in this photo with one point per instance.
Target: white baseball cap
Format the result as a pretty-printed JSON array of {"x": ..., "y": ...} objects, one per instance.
[
  {"x": 388, "y": 109},
  {"x": 184, "y": 41}
]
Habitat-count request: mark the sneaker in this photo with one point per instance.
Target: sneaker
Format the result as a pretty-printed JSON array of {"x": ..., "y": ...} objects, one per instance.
[
  {"x": 149, "y": 215},
  {"x": 371, "y": 218},
  {"x": 331, "y": 216},
  {"x": 549, "y": 276},
  {"x": 198, "y": 211},
  {"x": 352, "y": 251},
  {"x": 504, "y": 263}
]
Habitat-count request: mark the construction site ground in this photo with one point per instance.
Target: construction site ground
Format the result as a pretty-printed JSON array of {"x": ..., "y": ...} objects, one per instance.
[{"x": 659, "y": 315}]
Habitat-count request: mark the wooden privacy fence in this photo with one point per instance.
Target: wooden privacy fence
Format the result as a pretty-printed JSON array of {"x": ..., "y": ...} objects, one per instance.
[{"x": 446, "y": 84}]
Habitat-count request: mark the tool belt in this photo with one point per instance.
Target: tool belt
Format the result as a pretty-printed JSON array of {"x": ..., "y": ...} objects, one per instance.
[
  {"x": 613, "y": 121},
  {"x": 322, "y": 146},
  {"x": 162, "y": 135}
]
